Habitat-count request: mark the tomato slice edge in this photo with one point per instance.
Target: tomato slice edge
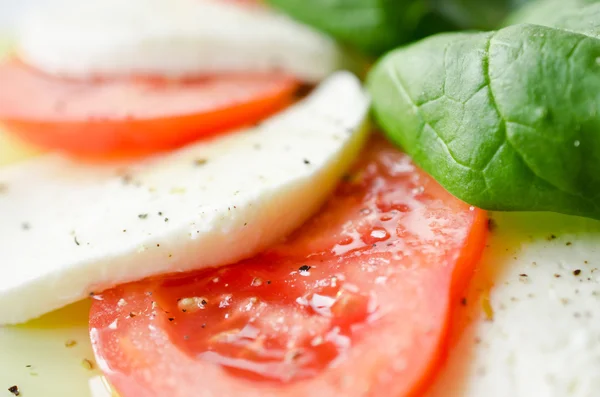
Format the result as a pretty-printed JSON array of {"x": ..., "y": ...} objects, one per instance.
[{"x": 99, "y": 118}]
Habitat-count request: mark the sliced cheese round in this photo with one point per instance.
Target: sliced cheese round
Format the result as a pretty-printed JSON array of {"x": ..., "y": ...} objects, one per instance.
[
  {"x": 530, "y": 321},
  {"x": 70, "y": 229},
  {"x": 172, "y": 38}
]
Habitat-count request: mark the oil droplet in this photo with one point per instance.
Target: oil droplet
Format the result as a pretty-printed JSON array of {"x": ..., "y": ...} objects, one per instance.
[
  {"x": 379, "y": 234},
  {"x": 256, "y": 282},
  {"x": 192, "y": 304}
]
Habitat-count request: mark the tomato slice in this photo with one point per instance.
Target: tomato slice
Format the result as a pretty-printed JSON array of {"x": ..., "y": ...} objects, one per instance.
[
  {"x": 102, "y": 117},
  {"x": 355, "y": 303}
]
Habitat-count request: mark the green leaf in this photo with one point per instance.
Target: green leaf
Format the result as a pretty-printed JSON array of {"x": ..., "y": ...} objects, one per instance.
[
  {"x": 545, "y": 12},
  {"x": 506, "y": 120},
  {"x": 374, "y": 26},
  {"x": 477, "y": 14}
]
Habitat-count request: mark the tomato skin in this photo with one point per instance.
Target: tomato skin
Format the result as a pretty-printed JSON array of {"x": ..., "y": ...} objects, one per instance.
[
  {"x": 414, "y": 249},
  {"x": 133, "y": 115}
]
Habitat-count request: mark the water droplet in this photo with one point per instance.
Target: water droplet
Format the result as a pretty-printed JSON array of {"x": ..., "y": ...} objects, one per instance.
[
  {"x": 576, "y": 143},
  {"x": 256, "y": 282}
]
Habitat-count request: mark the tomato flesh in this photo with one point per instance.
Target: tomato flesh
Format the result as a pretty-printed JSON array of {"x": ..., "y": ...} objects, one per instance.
[
  {"x": 355, "y": 303},
  {"x": 133, "y": 115}
]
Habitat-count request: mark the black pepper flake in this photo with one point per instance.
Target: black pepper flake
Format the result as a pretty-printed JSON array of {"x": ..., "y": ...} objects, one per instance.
[
  {"x": 166, "y": 219},
  {"x": 203, "y": 325},
  {"x": 491, "y": 224},
  {"x": 463, "y": 301},
  {"x": 568, "y": 243},
  {"x": 304, "y": 268},
  {"x": 268, "y": 281},
  {"x": 551, "y": 237},
  {"x": 28, "y": 366},
  {"x": 14, "y": 390},
  {"x": 126, "y": 179},
  {"x": 523, "y": 275},
  {"x": 577, "y": 272},
  {"x": 171, "y": 319},
  {"x": 556, "y": 275},
  {"x": 143, "y": 216},
  {"x": 76, "y": 241},
  {"x": 245, "y": 223},
  {"x": 25, "y": 226},
  {"x": 204, "y": 302},
  {"x": 132, "y": 315},
  {"x": 306, "y": 161},
  {"x": 160, "y": 213}
]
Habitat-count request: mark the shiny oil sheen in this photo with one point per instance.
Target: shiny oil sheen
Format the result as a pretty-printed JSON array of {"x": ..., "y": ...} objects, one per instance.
[{"x": 45, "y": 357}]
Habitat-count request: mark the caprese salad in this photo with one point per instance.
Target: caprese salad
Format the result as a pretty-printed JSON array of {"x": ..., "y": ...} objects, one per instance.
[{"x": 222, "y": 198}]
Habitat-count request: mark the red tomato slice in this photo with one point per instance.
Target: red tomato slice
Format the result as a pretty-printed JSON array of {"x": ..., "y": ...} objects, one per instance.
[
  {"x": 129, "y": 116},
  {"x": 355, "y": 303}
]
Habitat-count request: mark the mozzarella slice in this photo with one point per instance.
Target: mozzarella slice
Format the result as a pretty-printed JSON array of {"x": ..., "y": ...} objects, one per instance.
[
  {"x": 172, "y": 38},
  {"x": 541, "y": 336},
  {"x": 69, "y": 229}
]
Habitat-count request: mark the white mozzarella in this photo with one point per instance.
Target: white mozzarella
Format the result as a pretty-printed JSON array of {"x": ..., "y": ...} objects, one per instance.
[
  {"x": 172, "y": 38},
  {"x": 542, "y": 275},
  {"x": 68, "y": 229}
]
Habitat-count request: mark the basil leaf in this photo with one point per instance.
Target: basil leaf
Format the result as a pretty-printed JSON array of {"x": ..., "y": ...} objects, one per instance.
[
  {"x": 506, "y": 120},
  {"x": 477, "y": 14},
  {"x": 373, "y": 26},
  {"x": 544, "y": 12}
]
